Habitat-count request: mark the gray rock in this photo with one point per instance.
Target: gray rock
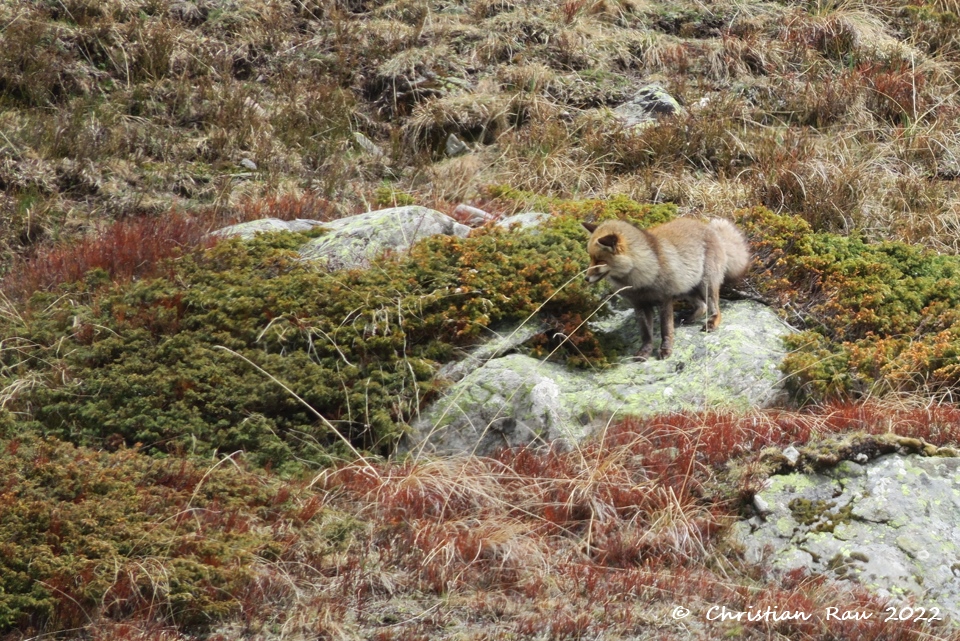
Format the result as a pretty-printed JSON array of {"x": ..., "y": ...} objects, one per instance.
[
  {"x": 890, "y": 525},
  {"x": 356, "y": 240},
  {"x": 505, "y": 339},
  {"x": 251, "y": 228},
  {"x": 648, "y": 104},
  {"x": 524, "y": 220},
  {"x": 188, "y": 12},
  {"x": 792, "y": 454},
  {"x": 472, "y": 215},
  {"x": 760, "y": 505},
  {"x": 515, "y": 399},
  {"x": 455, "y": 147},
  {"x": 367, "y": 145},
  {"x": 246, "y": 163}
]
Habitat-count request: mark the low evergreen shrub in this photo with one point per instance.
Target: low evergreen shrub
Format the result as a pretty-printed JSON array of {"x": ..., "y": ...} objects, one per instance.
[
  {"x": 876, "y": 317},
  {"x": 141, "y": 362}
]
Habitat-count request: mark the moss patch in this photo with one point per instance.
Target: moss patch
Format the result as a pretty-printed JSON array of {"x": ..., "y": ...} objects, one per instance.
[
  {"x": 128, "y": 535},
  {"x": 819, "y": 513},
  {"x": 592, "y": 209}
]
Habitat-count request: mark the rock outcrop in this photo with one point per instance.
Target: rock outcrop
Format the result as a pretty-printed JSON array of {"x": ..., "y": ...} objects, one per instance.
[
  {"x": 251, "y": 228},
  {"x": 649, "y": 103},
  {"x": 510, "y": 399},
  {"x": 356, "y": 240},
  {"x": 890, "y": 524}
]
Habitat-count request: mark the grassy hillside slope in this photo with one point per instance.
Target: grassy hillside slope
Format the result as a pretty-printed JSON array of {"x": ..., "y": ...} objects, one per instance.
[
  {"x": 841, "y": 112},
  {"x": 154, "y": 485}
]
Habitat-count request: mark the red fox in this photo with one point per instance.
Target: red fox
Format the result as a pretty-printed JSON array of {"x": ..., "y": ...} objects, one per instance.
[{"x": 684, "y": 259}]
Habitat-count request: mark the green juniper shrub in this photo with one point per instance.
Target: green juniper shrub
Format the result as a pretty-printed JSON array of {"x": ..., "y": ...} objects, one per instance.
[
  {"x": 122, "y": 535},
  {"x": 592, "y": 210},
  {"x": 386, "y": 196},
  {"x": 876, "y": 317},
  {"x": 143, "y": 362}
]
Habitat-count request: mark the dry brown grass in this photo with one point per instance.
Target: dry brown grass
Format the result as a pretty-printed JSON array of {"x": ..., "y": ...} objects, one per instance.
[{"x": 151, "y": 104}]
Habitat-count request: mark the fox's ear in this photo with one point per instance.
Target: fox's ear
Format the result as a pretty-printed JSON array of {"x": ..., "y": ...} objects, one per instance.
[
  {"x": 609, "y": 241},
  {"x": 590, "y": 227}
]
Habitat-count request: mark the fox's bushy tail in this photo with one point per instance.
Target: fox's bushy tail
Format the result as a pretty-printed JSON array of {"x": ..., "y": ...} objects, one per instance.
[{"x": 735, "y": 246}]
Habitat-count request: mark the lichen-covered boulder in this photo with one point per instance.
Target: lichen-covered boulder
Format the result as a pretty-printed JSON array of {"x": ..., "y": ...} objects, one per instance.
[
  {"x": 251, "y": 228},
  {"x": 890, "y": 524},
  {"x": 515, "y": 399},
  {"x": 356, "y": 240}
]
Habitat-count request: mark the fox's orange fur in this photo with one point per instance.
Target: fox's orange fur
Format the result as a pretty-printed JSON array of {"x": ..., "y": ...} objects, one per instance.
[{"x": 685, "y": 258}]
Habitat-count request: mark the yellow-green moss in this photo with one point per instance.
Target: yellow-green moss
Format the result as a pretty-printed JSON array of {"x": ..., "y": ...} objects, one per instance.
[{"x": 641, "y": 214}]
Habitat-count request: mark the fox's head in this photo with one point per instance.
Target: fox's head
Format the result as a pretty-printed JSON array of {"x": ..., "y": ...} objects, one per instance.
[{"x": 602, "y": 248}]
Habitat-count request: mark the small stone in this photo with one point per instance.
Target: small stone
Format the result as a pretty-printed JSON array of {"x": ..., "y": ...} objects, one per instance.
[
  {"x": 792, "y": 454},
  {"x": 647, "y": 105},
  {"x": 762, "y": 507},
  {"x": 367, "y": 145},
  {"x": 246, "y": 163},
  {"x": 455, "y": 146},
  {"x": 525, "y": 220},
  {"x": 188, "y": 13}
]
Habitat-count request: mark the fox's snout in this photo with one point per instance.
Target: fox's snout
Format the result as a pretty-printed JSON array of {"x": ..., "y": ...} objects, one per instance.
[{"x": 596, "y": 272}]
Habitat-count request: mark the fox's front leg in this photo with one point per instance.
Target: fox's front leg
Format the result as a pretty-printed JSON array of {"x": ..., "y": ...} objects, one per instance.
[
  {"x": 666, "y": 328},
  {"x": 645, "y": 321}
]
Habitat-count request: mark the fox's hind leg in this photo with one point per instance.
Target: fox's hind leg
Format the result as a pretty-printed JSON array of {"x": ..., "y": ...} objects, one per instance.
[
  {"x": 666, "y": 329},
  {"x": 698, "y": 299},
  {"x": 715, "y": 263},
  {"x": 645, "y": 321},
  {"x": 713, "y": 307}
]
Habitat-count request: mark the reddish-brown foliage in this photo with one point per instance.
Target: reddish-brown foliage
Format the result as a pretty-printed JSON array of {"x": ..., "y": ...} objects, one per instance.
[
  {"x": 125, "y": 250},
  {"x": 607, "y": 538}
]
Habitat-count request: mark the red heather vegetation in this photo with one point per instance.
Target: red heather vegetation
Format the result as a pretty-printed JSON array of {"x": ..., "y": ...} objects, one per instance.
[
  {"x": 125, "y": 250},
  {"x": 136, "y": 247},
  {"x": 604, "y": 540},
  {"x": 600, "y": 541}
]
